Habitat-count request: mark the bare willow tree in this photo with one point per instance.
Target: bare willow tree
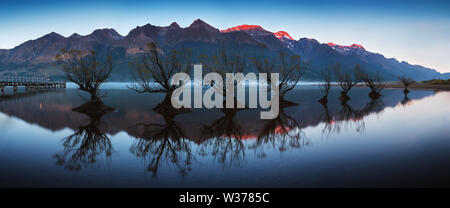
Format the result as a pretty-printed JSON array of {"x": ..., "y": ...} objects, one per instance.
[
  {"x": 406, "y": 81},
  {"x": 86, "y": 69},
  {"x": 374, "y": 83},
  {"x": 347, "y": 79},
  {"x": 289, "y": 67},
  {"x": 224, "y": 61},
  {"x": 325, "y": 86},
  {"x": 153, "y": 72}
]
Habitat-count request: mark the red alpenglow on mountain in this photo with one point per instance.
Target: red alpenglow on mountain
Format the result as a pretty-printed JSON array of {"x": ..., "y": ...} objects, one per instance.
[
  {"x": 342, "y": 46},
  {"x": 279, "y": 34},
  {"x": 242, "y": 27},
  {"x": 282, "y": 34}
]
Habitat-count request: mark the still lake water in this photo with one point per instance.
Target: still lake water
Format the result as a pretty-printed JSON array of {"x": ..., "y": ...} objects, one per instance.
[{"x": 388, "y": 143}]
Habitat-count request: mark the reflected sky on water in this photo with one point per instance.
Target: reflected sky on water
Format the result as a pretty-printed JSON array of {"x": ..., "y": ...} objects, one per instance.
[{"x": 392, "y": 141}]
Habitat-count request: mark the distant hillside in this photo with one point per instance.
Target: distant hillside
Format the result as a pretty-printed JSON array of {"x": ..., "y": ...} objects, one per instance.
[
  {"x": 446, "y": 75},
  {"x": 37, "y": 56}
]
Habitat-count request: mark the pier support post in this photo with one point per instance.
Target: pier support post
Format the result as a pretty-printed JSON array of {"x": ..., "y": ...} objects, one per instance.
[{"x": 15, "y": 89}]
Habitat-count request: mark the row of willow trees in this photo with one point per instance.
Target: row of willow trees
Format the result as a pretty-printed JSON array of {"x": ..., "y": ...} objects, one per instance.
[
  {"x": 153, "y": 73},
  {"x": 154, "y": 70},
  {"x": 347, "y": 79}
]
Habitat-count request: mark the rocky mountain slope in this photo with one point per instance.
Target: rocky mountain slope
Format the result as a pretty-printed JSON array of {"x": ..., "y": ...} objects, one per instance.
[{"x": 36, "y": 57}]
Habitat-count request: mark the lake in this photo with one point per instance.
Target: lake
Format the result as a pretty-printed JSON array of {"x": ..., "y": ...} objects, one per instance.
[{"x": 391, "y": 142}]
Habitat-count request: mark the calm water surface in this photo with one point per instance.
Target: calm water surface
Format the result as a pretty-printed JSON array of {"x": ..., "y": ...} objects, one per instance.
[{"x": 395, "y": 141}]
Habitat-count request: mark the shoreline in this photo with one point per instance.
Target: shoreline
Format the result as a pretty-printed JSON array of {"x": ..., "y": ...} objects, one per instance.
[
  {"x": 417, "y": 86},
  {"x": 420, "y": 86},
  {"x": 390, "y": 85}
]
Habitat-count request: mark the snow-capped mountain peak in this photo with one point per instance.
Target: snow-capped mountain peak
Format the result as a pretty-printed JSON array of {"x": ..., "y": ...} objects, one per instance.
[{"x": 282, "y": 34}]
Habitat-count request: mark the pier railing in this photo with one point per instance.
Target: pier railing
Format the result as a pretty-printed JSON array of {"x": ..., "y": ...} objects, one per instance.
[
  {"x": 10, "y": 79},
  {"x": 29, "y": 82}
]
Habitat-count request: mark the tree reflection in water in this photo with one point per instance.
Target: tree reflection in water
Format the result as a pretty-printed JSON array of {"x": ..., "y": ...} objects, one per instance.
[
  {"x": 163, "y": 143},
  {"x": 327, "y": 119},
  {"x": 282, "y": 133},
  {"x": 222, "y": 139},
  {"x": 169, "y": 145},
  {"x": 349, "y": 116},
  {"x": 406, "y": 100},
  {"x": 89, "y": 141}
]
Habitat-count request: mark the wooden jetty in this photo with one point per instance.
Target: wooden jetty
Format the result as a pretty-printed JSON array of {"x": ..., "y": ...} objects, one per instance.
[{"x": 29, "y": 83}]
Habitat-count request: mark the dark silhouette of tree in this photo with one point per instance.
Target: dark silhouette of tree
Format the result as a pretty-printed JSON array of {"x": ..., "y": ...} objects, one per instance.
[
  {"x": 160, "y": 144},
  {"x": 346, "y": 116},
  {"x": 327, "y": 119},
  {"x": 406, "y": 100},
  {"x": 223, "y": 138},
  {"x": 406, "y": 81},
  {"x": 325, "y": 86},
  {"x": 374, "y": 83},
  {"x": 374, "y": 106},
  {"x": 153, "y": 72},
  {"x": 289, "y": 67},
  {"x": 86, "y": 69},
  {"x": 281, "y": 133},
  {"x": 349, "y": 116},
  {"x": 224, "y": 61},
  {"x": 347, "y": 79},
  {"x": 89, "y": 141}
]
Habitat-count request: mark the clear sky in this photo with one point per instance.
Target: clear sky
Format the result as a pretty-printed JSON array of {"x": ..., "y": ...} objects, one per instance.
[{"x": 414, "y": 31}]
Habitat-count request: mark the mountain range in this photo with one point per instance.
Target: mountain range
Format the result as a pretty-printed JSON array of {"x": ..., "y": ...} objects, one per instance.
[{"x": 36, "y": 57}]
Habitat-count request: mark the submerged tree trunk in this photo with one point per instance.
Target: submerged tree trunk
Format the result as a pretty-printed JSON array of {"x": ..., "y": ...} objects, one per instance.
[
  {"x": 93, "y": 108},
  {"x": 286, "y": 103},
  {"x": 324, "y": 100},
  {"x": 168, "y": 97},
  {"x": 344, "y": 97},
  {"x": 406, "y": 91},
  {"x": 94, "y": 96},
  {"x": 165, "y": 107},
  {"x": 374, "y": 94}
]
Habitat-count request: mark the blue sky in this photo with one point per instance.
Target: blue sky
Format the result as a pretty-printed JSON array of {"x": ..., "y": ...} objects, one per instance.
[{"x": 412, "y": 31}]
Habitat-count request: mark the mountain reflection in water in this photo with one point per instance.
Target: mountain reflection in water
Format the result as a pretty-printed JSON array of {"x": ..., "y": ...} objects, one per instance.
[{"x": 176, "y": 141}]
